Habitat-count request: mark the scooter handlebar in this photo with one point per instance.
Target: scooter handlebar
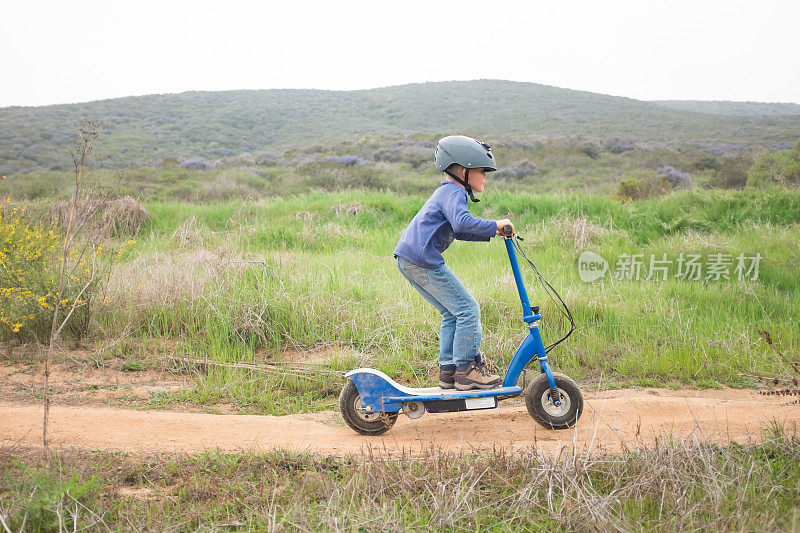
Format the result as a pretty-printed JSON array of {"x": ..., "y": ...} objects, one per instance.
[{"x": 508, "y": 230}]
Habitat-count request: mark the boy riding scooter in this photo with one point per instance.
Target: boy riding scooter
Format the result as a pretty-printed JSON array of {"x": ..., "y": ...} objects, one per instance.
[
  {"x": 445, "y": 217},
  {"x": 371, "y": 401}
]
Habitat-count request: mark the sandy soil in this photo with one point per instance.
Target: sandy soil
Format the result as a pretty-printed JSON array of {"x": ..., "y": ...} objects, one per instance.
[
  {"x": 79, "y": 384},
  {"x": 612, "y": 421}
]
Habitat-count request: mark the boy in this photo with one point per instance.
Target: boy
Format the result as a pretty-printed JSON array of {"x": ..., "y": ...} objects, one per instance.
[{"x": 443, "y": 218}]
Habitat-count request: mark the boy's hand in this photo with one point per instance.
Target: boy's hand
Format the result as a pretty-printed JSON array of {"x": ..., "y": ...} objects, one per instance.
[{"x": 501, "y": 223}]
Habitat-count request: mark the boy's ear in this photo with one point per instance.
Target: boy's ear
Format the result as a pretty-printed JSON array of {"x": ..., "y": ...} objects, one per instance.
[{"x": 457, "y": 169}]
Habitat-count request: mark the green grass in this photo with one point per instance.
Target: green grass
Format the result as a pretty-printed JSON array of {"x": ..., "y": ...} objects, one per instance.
[
  {"x": 317, "y": 268},
  {"x": 237, "y": 281},
  {"x": 674, "y": 486}
]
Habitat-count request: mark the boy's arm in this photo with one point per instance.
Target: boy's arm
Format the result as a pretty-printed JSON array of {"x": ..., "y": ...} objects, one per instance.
[
  {"x": 465, "y": 226},
  {"x": 470, "y": 237}
]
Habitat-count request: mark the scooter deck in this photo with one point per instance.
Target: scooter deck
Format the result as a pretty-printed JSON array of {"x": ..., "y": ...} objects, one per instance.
[
  {"x": 432, "y": 394},
  {"x": 382, "y": 385}
]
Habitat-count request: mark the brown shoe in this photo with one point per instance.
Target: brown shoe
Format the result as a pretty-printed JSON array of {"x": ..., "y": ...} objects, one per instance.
[
  {"x": 446, "y": 377},
  {"x": 475, "y": 377}
]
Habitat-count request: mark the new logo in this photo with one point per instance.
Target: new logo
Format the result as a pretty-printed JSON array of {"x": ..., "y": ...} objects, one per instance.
[{"x": 591, "y": 266}]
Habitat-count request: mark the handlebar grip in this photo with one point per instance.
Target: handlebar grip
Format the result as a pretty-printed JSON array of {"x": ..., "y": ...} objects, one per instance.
[{"x": 508, "y": 230}]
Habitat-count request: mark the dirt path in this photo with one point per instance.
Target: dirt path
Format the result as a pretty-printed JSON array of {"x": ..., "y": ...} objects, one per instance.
[{"x": 611, "y": 420}]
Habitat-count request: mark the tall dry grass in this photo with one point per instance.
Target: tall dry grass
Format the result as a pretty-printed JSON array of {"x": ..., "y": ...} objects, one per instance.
[
  {"x": 103, "y": 217},
  {"x": 675, "y": 485}
]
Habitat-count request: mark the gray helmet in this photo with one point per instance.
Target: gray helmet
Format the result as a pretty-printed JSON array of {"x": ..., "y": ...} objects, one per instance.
[{"x": 466, "y": 151}]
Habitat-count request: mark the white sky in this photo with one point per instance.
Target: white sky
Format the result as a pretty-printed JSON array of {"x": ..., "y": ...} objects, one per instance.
[{"x": 60, "y": 52}]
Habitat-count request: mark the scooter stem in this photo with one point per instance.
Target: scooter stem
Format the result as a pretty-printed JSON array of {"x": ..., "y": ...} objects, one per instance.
[
  {"x": 527, "y": 314},
  {"x": 532, "y": 345}
]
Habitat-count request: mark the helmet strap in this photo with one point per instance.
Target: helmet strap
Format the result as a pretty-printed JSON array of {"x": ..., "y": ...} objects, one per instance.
[{"x": 464, "y": 182}]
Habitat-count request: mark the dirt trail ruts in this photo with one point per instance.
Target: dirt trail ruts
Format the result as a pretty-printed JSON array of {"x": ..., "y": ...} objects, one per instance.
[{"x": 612, "y": 421}]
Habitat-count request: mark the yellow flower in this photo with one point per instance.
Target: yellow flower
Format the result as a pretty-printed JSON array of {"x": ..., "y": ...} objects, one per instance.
[{"x": 16, "y": 327}]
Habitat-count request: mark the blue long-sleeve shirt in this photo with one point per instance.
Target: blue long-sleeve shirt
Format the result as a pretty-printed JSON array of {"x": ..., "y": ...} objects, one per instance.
[{"x": 443, "y": 218}]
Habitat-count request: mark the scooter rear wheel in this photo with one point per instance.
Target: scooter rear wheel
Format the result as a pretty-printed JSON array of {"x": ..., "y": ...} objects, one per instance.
[
  {"x": 364, "y": 423},
  {"x": 540, "y": 405}
]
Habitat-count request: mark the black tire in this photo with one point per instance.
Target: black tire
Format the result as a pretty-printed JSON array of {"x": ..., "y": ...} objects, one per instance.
[
  {"x": 537, "y": 400},
  {"x": 366, "y": 424}
]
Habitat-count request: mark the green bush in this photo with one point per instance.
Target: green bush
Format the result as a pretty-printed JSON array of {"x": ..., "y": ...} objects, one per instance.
[
  {"x": 638, "y": 189},
  {"x": 590, "y": 148},
  {"x": 792, "y": 173},
  {"x": 768, "y": 168},
  {"x": 708, "y": 162},
  {"x": 333, "y": 176},
  {"x": 732, "y": 171},
  {"x": 27, "y": 276},
  {"x": 51, "y": 501},
  {"x": 30, "y": 264}
]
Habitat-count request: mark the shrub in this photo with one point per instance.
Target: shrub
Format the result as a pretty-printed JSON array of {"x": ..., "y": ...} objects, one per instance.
[
  {"x": 26, "y": 276},
  {"x": 708, "y": 162},
  {"x": 30, "y": 263},
  {"x": 267, "y": 160},
  {"x": 639, "y": 189},
  {"x": 47, "y": 507},
  {"x": 792, "y": 173},
  {"x": 346, "y": 160},
  {"x": 241, "y": 160},
  {"x": 102, "y": 218},
  {"x": 732, "y": 171},
  {"x": 591, "y": 149},
  {"x": 337, "y": 176},
  {"x": 415, "y": 155},
  {"x": 523, "y": 169},
  {"x": 29, "y": 275},
  {"x": 725, "y": 149},
  {"x": 768, "y": 168},
  {"x": 677, "y": 178},
  {"x": 619, "y": 146},
  {"x": 388, "y": 154},
  {"x": 197, "y": 163}
]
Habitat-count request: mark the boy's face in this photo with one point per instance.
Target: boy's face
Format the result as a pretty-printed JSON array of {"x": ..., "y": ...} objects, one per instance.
[{"x": 477, "y": 179}]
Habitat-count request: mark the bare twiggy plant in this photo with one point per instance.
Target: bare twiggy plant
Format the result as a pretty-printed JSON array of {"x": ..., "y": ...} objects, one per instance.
[{"x": 88, "y": 132}]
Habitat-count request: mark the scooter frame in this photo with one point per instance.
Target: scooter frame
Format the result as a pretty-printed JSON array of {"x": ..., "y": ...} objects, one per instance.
[{"x": 381, "y": 394}]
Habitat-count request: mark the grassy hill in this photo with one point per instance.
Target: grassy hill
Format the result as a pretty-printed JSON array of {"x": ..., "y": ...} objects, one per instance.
[
  {"x": 777, "y": 109},
  {"x": 145, "y": 129}
]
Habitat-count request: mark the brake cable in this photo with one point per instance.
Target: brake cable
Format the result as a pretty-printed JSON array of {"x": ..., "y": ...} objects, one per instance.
[{"x": 551, "y": 292}]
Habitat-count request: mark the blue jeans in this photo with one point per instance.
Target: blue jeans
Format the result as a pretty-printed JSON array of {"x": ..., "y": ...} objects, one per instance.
[{"x": 461, "y": 331}]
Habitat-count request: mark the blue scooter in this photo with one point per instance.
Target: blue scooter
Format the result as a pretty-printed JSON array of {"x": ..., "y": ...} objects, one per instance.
[{"x": 371, "y": 401}]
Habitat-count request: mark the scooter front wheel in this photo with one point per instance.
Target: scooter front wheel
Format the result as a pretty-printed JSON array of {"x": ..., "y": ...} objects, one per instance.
[
  {"x": 543, "y": 409},
  {"x": 356, "y": 418}
]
